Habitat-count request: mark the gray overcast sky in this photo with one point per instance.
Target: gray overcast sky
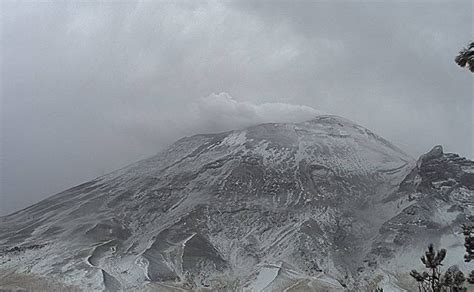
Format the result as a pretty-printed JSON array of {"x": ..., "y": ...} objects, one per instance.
[{"x": 88, "y": 87}]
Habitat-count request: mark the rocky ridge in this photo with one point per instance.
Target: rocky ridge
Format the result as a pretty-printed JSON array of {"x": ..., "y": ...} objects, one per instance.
[{"x": 323, "y": 204}]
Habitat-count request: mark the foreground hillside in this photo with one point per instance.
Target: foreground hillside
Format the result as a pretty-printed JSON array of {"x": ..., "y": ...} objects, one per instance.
[{"x": 321, "y": 205}]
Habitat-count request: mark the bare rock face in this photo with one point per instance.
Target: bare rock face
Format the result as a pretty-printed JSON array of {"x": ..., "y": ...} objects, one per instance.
[
  {"x": 434, "y": 200},
  {"x": 323, "y": 204}
]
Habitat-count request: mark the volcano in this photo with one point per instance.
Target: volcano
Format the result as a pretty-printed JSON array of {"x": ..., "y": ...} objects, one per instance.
[{"x": 322, "y": 205}]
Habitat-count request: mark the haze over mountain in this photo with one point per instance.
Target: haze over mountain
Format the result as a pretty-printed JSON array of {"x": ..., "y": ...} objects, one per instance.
[
  {"x": 90, "y": 86},
  {"x": 322, "y": 204}
]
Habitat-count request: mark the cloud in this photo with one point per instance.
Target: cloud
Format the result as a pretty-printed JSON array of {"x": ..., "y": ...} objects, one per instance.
[
  {"x": 222, "y": 112},
  {"x": 214, "y": 113},
  {"x": 88, "y": 87}
]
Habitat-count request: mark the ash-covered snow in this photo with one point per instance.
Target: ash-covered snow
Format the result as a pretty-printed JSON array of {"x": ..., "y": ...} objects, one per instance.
[{"x": 320, "y": 205}]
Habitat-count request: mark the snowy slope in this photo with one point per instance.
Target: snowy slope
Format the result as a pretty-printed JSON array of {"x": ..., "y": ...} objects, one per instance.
[{"x": 283, "y": 207}]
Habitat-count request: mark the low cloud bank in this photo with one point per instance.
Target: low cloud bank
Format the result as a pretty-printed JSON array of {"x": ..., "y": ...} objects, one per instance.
[
  {"x": 221, "y": 112},
  {"x": 214, "y": 113}
]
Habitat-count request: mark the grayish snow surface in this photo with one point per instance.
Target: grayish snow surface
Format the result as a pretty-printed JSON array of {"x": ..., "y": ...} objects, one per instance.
[{"x": 323, "y": 204}]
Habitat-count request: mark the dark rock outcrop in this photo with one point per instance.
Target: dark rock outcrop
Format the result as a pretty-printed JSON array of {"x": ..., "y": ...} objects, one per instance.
[{"x": 324, "y": 203}]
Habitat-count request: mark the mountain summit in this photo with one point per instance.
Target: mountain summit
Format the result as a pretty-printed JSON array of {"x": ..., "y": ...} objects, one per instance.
[{"x": 323, "y": 204}]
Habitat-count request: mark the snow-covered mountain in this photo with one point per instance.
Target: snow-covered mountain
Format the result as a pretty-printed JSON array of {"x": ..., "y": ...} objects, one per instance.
[{"x": 320, "y": 205}]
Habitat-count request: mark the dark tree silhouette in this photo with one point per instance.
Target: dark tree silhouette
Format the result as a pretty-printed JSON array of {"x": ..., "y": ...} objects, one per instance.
[
  {"x": 453, "y": 280},
  {"x": 465, "y": 58},
  {"x": 422, "y": 280},
  {"x": 471, "y": 277},
  {"x": 434, "y": 280},
  {"x": 433, "y": 262},
  {"x": 468, "y": 231}
]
